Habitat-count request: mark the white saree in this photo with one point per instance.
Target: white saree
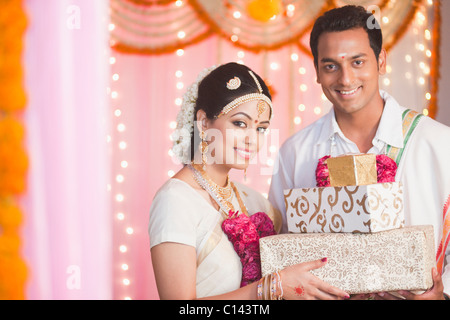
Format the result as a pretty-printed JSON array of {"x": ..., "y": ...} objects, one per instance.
[{"x": 180, "y": 214}]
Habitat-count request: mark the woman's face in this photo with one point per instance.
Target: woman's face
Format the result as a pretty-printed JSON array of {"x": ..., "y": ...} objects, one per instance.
[{"x": 236, "y": 137}]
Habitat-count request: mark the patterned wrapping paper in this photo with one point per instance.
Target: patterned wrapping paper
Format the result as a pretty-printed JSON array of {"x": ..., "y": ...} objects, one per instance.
[
  {"x": 370, "y": 208},
  {"x": 399, "y": 259},
  {"x": 352, "y": 170}
]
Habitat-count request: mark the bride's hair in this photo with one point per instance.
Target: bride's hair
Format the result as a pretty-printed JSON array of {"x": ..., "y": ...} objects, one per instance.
[{"x": 214, "y": 95}]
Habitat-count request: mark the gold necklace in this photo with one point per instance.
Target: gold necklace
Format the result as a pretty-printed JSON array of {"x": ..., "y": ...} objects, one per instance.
[{"x": 222, "y": 195}]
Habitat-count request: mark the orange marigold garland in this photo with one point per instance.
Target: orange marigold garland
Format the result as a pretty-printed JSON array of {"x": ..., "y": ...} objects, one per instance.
[
  {"x": 264, "y": 10},
  {"x": 13, "y": 158}
]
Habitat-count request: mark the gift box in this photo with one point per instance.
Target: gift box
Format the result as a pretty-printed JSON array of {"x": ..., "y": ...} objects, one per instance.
[
  {"x": 398, "y": 259},
  {"x": 352, "y": 170},
  {"x": 368, "y": 208}
]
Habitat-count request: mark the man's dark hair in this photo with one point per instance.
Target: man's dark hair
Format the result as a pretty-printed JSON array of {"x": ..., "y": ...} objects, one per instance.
[{"x": 347, "y": 18}]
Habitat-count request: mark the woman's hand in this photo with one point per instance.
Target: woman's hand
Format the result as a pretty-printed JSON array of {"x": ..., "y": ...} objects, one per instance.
[{"x": 299, "y": 283}]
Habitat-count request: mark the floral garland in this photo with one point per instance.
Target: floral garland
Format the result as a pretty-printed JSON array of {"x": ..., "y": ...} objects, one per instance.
[
  {"x": 244, "y": 233},
  {"x": 386, "y": 170},
  {"x": 181, "y": 137},
  {"x": 13, "y": 158}
]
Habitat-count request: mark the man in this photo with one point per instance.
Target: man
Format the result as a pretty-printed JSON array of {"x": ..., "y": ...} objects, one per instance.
[{"x": 349, "y": 59}]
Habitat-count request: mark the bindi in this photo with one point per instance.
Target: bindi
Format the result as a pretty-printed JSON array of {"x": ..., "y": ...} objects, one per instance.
[{"x": 342, "y": 55}]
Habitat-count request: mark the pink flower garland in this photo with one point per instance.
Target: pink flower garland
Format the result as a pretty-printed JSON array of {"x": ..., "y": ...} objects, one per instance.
[
  {"x": 244, "y": 233},
  {"x": 386, "y": 170}
]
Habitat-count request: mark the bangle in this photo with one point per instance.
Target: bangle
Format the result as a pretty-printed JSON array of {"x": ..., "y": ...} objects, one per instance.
[
  {"x": 280, "y": 285},
  {"x": 259, "y": 289},
  {"x": 270, "y": 287}
]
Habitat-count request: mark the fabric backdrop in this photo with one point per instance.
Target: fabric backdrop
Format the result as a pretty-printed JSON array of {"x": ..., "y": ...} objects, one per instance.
[{"x": 98, "y": 125}]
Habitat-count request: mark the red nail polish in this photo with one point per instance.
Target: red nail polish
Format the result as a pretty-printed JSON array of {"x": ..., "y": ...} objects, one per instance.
[{"x": 324, "y": 260}]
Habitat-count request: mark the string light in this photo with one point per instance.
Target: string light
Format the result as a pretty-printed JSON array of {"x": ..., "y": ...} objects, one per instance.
[
  {"x": 121, "y": 127},
  {"x": 120, "y": 197},
  {"x": 317, "y": 110}
]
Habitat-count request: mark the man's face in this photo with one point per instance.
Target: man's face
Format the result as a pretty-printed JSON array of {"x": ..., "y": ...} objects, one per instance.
[{"x": 348, "y": 69}]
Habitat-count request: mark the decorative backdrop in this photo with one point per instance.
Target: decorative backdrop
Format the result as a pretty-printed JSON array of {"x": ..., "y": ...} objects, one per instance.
[
  {"x": 104, "y": 81},
  {"x": 159, "y": 47}
]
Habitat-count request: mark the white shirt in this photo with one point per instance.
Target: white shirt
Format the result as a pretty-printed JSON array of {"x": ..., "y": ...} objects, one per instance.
[{"x": 424, "y": 169}]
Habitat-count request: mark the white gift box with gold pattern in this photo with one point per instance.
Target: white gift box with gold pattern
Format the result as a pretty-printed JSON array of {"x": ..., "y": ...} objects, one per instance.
[
  {"x": 367, "y": 208},
  {"x": 398, "y": 259}
]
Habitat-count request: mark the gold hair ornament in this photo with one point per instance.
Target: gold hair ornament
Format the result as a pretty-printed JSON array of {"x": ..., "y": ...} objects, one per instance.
[{"x": 263, "y": 100}]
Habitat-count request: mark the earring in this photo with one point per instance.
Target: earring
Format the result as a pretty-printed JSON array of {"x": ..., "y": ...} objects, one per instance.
[
  {"x": 245, "y": 175},
  {"x": 204, "y": 148}
]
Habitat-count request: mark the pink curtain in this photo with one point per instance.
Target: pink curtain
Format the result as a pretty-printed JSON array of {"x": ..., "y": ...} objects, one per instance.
[{"x": 67, "y": 231}]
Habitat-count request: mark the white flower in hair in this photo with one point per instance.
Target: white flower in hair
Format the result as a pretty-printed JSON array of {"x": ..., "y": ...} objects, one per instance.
[{"x": 181, "y": 137}]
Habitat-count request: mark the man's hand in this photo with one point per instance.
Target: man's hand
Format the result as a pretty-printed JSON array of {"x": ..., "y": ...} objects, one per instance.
[{"x": 436, "y": 292}]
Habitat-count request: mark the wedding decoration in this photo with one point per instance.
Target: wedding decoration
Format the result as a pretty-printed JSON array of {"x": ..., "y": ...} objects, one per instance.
[
  {"x": 13, "y": 158},
  {"x": 163, "y": 26},
  {"x": 398, "y": 259},
  {"x": 264, "y": 10},
  {"x": 244, "y": 233},
  {"x": 153, "y": 27}
]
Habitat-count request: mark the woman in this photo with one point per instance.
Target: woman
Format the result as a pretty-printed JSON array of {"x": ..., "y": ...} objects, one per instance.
[{"x": 204, "y": 229}]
